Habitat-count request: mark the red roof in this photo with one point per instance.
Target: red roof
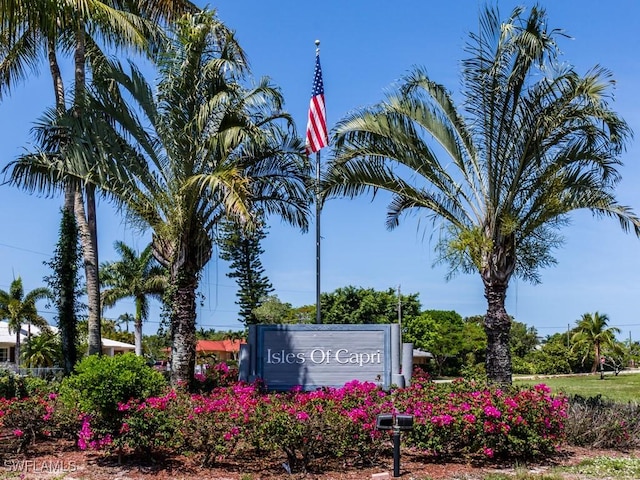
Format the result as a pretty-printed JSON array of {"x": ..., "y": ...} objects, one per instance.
[{"x": 218, "y": 345}]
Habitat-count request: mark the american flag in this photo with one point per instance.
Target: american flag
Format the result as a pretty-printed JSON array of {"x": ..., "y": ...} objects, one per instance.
[{"x": 317, "y": 137}]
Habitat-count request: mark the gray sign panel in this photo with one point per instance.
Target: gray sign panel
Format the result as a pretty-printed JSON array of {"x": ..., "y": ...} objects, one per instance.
[{"x": 314, "y": 356}]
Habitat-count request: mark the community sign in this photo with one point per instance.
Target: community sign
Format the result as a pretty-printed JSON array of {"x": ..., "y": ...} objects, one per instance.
[{"x": 313, "y": 356}]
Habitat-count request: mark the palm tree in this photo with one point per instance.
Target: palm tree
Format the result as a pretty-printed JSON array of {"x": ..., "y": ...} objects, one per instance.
[
  {"x": 18, "y": 309},
  {"x": 132, "y": 24},
  {"x": 28, "y": 27},
  {"x": 592, "y": 334},
  {"x": 207, "y": 150},
  {"x": 531, "y": 143},
  {"x": 125, "y": 318},
  {"x": 133, "y": 276},
  {"x": 42, "y": 350}
]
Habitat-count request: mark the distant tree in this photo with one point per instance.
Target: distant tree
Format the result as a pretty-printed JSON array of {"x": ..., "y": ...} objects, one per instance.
[
  {"x": 273, "y": 311},
  {"x": 234, "y": 335},
  {"x": 135, "y": 276},
  {"x": 213, "y": 334},
  {"x": 420, "y": 330},
  {"x": 358, "y": 305},
  {"x": 633, "y": 353},
  {"x": 108, "y": 329},
  {"x": 617, "y": 357},
  {"x": 241, "y": 247},
  {"x": 553, "y": 358},
  {"x": 440, "y": 332},
  {"x": 523, "y": 339},
  {"x": 474, "y": 340},
  {"x": 19, "y": 308},
  {"x": 125, "y": 318},
  {"x": 593, "y": 335},
  {"x": 65, "y": 282},
  {"x": 305, "y": 314},
  {"x": 111, "y": 329},
  {"x": 156, "y": 346}
]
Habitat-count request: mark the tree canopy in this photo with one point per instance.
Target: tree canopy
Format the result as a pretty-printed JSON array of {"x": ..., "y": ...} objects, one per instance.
[
  {"x": 499, "y": 175},
  {"x": 359, "y": 305}
]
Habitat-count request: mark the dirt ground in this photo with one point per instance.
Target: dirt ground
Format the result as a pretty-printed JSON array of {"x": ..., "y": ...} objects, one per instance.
[{"x": 61, "y": 460}]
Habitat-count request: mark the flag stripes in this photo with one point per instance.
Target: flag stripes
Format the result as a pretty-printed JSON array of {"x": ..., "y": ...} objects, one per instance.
[{"x": 317, "y": 136}]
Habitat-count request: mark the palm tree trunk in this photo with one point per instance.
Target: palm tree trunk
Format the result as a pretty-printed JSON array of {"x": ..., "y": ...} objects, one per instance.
[
  {"x": 497, "y": 326},
  {"x": 183, "y": 327},
  {"x": 596, "y": 360},
  {"x": 88, "y": 234},
  {"x": 28, "y": 342},
  {"x": 137, "y": 335},
  {"x": 56, "y": 76},
  {"x": 87, "y": 224},
  {"x": 137, "y": 326},
  {"x": 17, "y": 349}
]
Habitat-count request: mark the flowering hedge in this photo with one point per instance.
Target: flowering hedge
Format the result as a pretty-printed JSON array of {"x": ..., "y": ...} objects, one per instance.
[
  {"x": 27, "y": 419},
  {"x": 488, "y": 422},
  {"x": 456, "y": 419}
]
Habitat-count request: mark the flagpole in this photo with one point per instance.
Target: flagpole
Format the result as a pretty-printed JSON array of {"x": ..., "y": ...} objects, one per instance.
[
  {"x": 318, "y": 313},
  {"x": 317, "y": 138},
  {"x": 318, "y": 316}
]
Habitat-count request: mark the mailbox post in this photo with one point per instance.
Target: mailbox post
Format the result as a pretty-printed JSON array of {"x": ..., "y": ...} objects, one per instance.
[{"x": 398, "y": 423}]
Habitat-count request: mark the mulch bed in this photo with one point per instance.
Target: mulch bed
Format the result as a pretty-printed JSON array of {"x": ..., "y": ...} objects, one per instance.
[{"x": 61, "y": 459}]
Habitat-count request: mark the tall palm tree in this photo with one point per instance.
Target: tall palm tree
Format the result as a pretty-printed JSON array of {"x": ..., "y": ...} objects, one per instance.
[
  {"x": 28, "y": 27},
  {"x": 132, "y": 24},
  {"x": 133, "y": 276},
  {"x": 499, "y": 175},
  {"x": 18, "y": 309},
  {"x": 592, "y": 334},
  {"x": 206, "y": 150}
]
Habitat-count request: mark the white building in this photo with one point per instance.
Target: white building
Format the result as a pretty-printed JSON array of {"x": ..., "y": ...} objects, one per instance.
[{"x": 8, "y": 343}]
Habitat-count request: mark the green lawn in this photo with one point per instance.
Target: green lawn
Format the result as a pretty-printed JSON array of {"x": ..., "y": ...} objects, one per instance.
[{"x": 622, "y": 388}]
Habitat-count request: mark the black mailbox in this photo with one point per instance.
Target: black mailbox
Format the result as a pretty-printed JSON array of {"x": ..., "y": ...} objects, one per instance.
[
  {"x": 384, "y": 421},
  {"x": 404, "y": 422}
]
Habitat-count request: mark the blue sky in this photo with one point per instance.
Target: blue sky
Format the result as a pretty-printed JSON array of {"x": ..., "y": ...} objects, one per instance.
[{"x": 365, "y": 47}]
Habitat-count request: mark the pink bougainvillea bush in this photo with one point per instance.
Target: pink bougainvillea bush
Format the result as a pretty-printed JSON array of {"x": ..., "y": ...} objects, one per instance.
[
  {"x": 461, "y": 419},
  {"x": 27, "y": 419},
  {"x": 238, "y": 419}
]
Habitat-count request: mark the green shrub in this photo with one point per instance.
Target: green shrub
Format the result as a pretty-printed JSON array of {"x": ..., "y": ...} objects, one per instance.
[
  {"x": 554, "y": 358},
  {"x": 38, "y": 386},
  {"x": 11, "y": 385},
  {"x": 474, "y": 372},
  {"x": 100, "y": 384},
  {"x": 521, "y": 366}
]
